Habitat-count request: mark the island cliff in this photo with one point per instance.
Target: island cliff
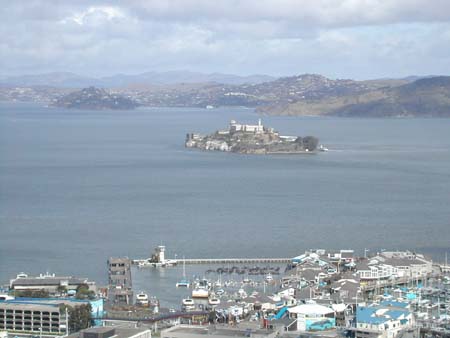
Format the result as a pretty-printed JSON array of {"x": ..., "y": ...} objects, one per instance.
[{"x": 253, "y": 139}]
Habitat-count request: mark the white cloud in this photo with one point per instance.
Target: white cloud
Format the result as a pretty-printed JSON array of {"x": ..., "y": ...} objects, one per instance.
[
  {"x": 95, "y": 15},
  {"x": 341, "y": 38}
]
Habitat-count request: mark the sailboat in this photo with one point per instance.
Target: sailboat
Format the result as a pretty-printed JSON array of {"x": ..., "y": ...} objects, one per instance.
[{"x": 183, "y": 282}]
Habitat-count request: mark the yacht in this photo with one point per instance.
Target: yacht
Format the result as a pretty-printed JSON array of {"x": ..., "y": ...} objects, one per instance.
[
  {"x": 200, "y": 292},
  {"x": 213, "y": 301},
  {"x": 201, "y": 289},
  {"x": 183, "y": 282},
  {"x": 188, "y": 304},
  {"x": 142, "y": 299},
  {"x": 241, "y": 293},
  {"x": 269, "y": 278}
]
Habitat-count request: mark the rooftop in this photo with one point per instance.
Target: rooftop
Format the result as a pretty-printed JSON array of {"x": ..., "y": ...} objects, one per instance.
[
  {"x": 378, "y": 314},
  {"x": 217, "y": 331},
  {"x": 119, "y": 331}
]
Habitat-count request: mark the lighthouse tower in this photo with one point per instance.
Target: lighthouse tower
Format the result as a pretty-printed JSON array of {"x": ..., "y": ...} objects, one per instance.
[{"x": 160, "y": 251}]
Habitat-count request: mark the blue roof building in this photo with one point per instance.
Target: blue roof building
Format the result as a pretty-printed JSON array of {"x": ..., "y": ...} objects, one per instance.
[{"x": 384, "y": 320}]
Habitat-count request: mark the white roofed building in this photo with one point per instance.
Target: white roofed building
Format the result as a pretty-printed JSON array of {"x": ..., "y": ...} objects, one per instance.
[
  {"x": 249, "y": 128},
  {"x": 313, "y": 317}
]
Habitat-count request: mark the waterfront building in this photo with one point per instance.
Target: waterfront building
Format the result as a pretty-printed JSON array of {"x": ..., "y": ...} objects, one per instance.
[
  {"x": 312, "y": 317},
  {"x": 394, "y": 265},
  {"x": 190, "y": 331},
  {"x": 315, "y": 258},
  {"x": 40, "y": 315},
  {"x": 29, "y": 317},
  {"x": 386, "y": 320},
  {"x": 119, "y": 281},
  {"x": 341, "y": 256},
  {"x": 346, "y": 290},
  {"x": 50, "y": 283}
]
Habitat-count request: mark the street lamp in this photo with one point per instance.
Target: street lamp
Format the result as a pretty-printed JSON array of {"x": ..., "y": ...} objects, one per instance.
[{"x": 357, "y": 291}]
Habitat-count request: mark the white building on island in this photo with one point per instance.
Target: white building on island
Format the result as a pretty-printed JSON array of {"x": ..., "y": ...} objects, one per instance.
[{"x": 249, "y": 128}]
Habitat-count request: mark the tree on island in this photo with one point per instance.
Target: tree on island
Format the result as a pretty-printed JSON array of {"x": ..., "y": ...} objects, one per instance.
[{"x": 310, "y": 143}]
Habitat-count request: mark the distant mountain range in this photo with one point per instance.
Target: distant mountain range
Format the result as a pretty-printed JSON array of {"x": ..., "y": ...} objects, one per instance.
[
  {"x": 425, "y": 97},
  {"x": 306, "y": 94},
  {"x": 71, "y": 80}
]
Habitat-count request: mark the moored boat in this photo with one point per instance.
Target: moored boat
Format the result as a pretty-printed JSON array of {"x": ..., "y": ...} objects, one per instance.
[
  {"x": 184, "y": 282},
  {"x": 188, "y": 304},
  {"x": 200, "y": 292},
  {"x": 213, "y": 301},
  {"x": 142, "y": 299}
]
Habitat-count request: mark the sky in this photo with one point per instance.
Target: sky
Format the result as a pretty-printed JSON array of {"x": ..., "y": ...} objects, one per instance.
[{"x": 359, "y": 39}]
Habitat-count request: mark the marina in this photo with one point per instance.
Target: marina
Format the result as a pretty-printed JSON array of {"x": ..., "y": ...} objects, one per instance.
[{"x": 337, "y": 291}]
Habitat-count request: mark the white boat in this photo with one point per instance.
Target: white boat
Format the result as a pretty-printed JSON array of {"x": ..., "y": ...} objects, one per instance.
[
  {"x": 188, "y": 301},
  {"x": 188, "y": 304},
  {"x": 218, "y": 283},
  {"x": 242, "y": 293},
  {"x": 322, "y": 148},
  {"x": 269, "y": 278},
  {"x": 200, "y": 292},
  {"x": 213, "y": 301},
  {"x": 142, "y": 299},
  {"x": 220, "y": 292},
  {"x": 184, "y": 282}
]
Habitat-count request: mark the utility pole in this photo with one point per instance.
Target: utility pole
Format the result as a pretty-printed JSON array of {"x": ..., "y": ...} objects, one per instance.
[{"x": 67, "y": 322}]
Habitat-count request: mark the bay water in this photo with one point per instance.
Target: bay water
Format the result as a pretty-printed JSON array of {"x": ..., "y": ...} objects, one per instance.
[{"x": 77, "y": 187}]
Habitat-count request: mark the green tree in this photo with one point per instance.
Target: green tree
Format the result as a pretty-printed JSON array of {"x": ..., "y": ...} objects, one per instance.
[
  {"x": 83, "y": 292},
  {"x": 310, "y": 143},
  {"x": 31, "y": 293},
  {"x": 61, "y": 289},
  {"x": 80, "y": 317}
]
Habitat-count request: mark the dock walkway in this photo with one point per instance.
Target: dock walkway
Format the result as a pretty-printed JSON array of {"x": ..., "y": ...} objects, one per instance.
[
  {"x": 233, "y": 260},
  {"x": 145, "y": 262}
]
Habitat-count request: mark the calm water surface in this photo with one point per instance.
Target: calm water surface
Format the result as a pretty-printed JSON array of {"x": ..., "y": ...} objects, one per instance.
[{"x": 79, "y": 186}]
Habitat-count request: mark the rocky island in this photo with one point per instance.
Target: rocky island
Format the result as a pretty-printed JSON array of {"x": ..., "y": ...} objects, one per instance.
[
  {"x": 253, "y": 139},
  {"x": 96, "y": 99}
]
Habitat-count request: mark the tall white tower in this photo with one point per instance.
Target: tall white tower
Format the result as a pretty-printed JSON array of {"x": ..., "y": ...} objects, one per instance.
[{"x": 161, "y": 250}]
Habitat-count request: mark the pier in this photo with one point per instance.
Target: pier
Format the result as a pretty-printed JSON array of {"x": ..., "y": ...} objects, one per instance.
[
  {"x": 233, "y": 260},
  {"x": 171, "y": 262},
  {"x": 158, "y": 259}
]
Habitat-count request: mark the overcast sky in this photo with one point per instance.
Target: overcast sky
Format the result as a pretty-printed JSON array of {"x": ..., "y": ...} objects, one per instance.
[{"x": 337, "y": 38}]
